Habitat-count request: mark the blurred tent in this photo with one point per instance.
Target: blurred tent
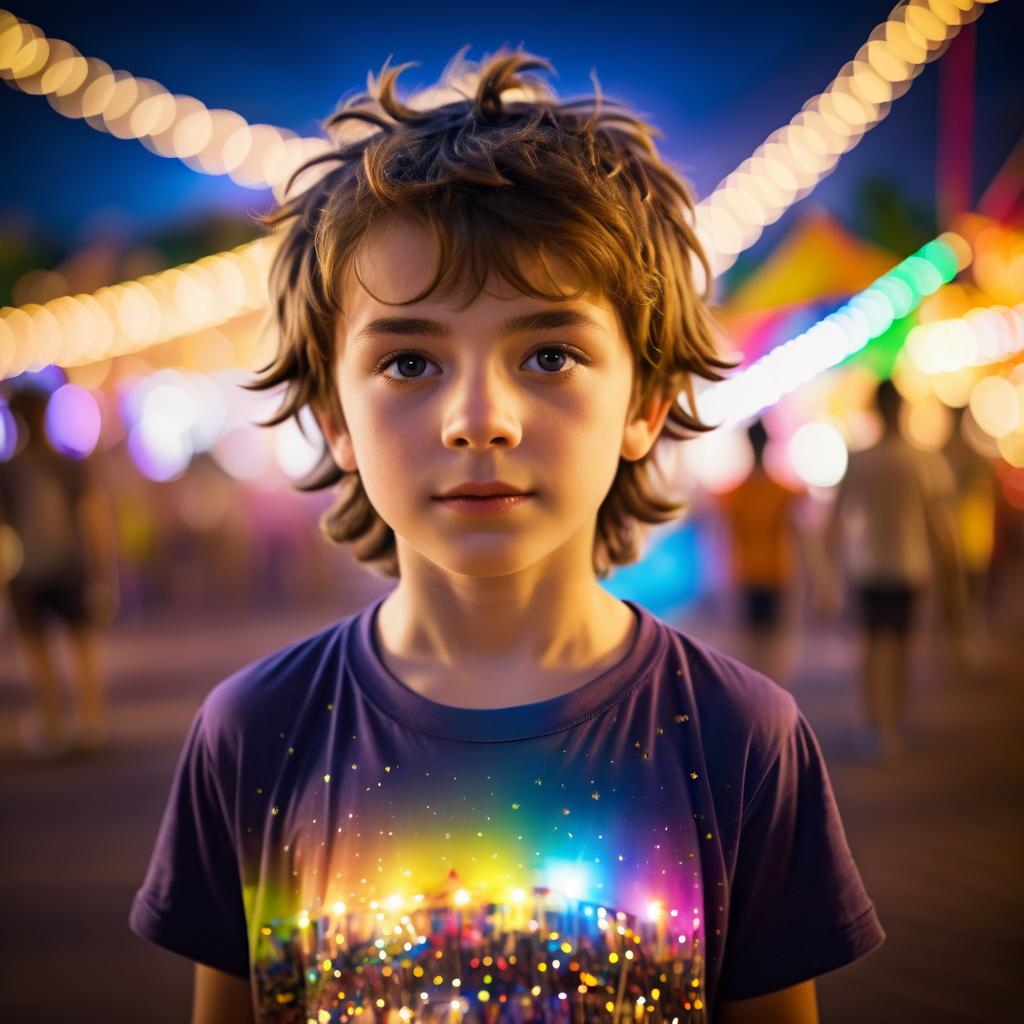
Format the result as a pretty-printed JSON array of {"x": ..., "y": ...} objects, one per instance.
[
  {"x": 819, "y": 260},
  {"x": 817, "y": 266}
]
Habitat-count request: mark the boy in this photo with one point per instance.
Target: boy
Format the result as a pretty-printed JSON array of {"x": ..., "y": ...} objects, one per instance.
[{"x": 498, "y": 791}]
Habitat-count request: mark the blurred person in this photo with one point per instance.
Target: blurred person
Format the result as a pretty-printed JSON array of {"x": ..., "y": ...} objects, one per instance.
[
  {"x": 761, "y": 517},
  {"x": 892, "y": 525},
  {"x": 66, "y": 575},
  {"x": 490, "y": 439}
]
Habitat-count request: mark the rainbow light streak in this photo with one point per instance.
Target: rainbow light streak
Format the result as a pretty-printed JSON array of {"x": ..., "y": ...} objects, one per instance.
[{"x": 837, "y": 336}]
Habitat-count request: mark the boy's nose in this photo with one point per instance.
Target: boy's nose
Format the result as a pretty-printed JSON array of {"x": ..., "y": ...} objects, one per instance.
[{"x": 481, "y": 414}]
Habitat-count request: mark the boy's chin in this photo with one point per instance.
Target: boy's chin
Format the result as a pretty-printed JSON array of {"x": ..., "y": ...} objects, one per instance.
[{"x": 484, "y": 557}]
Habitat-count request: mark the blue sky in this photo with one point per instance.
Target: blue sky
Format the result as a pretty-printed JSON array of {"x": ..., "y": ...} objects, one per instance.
[{"x": 716, "y": 78}]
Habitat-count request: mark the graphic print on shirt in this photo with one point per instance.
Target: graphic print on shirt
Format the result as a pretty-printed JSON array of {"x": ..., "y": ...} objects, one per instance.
[{"x": 488, "y": 888}]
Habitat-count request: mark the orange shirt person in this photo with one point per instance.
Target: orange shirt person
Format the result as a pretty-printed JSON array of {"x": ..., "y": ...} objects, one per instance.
[{"x": 759, "y": 514}]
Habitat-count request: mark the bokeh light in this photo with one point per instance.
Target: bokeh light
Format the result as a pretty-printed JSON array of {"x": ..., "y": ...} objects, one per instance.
[
  {"x": 298, "y": 448},
  {"x": 995, "y": 406},
  {"x": 928, "y": 423},
  {"x": 73, "y": 420},
  {"x": 159, "y": 455},
  {"x": 719, "y": 461},
  {"x": 8, "y": 432},
  {"x": 244, "y": 453},
  {"x": 819, "y": 454}
]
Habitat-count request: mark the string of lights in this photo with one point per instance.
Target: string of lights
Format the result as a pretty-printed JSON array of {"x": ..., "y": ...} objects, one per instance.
[
  {"x": 781, "y": 171},
  {"x": 212, "y": 141},
  {"x": 72, "y": 330},
  {"x": 785, "y": 168},
  {"x": 788, "y": 165}
]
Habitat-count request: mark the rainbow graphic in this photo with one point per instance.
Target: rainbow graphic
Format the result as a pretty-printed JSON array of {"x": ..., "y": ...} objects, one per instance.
[{"x": 427, "y": 895}]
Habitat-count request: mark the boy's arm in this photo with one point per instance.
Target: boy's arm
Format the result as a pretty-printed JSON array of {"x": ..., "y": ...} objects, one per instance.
[
  {"x": 222, "y": 998},
  {"x": 797, "y": 1004}
]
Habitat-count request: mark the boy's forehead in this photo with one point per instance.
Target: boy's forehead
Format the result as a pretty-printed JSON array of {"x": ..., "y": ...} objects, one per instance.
[
  {"x": 397, "y": 259},
  {"x": 394, "y": 260}
]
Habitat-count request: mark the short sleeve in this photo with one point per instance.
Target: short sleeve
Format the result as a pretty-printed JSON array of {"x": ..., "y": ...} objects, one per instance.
[
  {"x": 191, "y": 899},
  {"x": 798, "y": 907}
]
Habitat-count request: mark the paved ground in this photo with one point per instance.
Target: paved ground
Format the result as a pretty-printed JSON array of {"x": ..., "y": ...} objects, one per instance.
[{"x": 938, "y": 837}]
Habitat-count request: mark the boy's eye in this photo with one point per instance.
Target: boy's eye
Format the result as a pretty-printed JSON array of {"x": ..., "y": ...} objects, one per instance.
[
  {"x": 551, "y": 360},
  {"x": 553, "y": 357},
  {"x": 408, "y": 365}
]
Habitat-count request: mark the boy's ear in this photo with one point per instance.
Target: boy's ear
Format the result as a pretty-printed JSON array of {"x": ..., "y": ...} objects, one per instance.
[
  {"x": 643, "y": 430},
  {"x": 338, "y": 439}
]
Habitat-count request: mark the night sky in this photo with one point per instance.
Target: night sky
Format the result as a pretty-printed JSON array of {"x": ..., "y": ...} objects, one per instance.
[{"x": 716, "y": 78}]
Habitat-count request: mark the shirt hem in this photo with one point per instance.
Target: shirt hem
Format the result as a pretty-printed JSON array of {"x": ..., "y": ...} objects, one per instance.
[
  {"x": 182, "y": 937},
  {"x": 863, "y": 935}
]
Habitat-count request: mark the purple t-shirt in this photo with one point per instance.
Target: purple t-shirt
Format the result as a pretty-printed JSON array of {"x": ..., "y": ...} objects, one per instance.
[{"x": 666, "y": 832}]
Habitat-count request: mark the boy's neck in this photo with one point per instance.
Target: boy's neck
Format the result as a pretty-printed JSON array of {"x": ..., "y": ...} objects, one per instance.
[{"x": 461, "y": 650}]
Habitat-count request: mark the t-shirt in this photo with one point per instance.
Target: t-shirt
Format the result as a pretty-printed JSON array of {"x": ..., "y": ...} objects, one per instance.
[{"x": 665, "y": 835}]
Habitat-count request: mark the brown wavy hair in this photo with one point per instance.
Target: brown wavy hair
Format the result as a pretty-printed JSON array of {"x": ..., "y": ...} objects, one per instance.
[{"x": 495, "y": 166}]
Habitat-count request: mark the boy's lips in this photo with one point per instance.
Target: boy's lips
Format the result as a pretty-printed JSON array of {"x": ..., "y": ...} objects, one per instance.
[
  {"x": 490, "y": 489},
  {"x": 486, "y": 506}
]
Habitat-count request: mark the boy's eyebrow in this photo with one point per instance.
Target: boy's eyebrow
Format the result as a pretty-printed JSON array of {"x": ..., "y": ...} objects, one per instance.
[{"x": 543, "y": 320}]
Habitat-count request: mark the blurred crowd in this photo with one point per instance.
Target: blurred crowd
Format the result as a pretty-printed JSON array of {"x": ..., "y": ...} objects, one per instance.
[
  {"x": 907, "y": 532},
  {"x": 87, "y": 543}
]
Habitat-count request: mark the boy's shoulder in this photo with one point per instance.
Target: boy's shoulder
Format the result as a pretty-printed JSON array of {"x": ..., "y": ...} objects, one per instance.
[
  {"x": 270, "y": 687},
  {"x": 740, "y": 708}
]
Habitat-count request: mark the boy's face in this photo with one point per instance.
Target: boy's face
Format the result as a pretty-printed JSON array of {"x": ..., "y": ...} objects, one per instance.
[{"x": 469, "y": 401}]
